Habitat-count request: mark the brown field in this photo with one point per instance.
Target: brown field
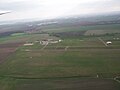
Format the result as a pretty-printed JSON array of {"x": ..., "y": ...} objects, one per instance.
[{"x": 7, "y": 49}]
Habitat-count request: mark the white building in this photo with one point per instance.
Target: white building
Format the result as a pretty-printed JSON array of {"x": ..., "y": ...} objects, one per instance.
[
  {"x": 108, "y": 42},
  {"x": 28, "y": 44}
]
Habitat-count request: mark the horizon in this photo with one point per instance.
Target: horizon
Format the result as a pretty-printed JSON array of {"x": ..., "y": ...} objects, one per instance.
[
  {"x": 50, "y": 9},
  {"x": 64, "y": 17}
]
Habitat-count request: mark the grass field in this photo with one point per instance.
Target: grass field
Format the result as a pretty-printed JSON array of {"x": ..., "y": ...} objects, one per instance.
[
  {"x": 25, "y": 38},
  {"x": 101, "y": 32},
  {"x": 78, "y": 54},
  {"x": 80, "y": 63},
  {"x": 55, "y": 68},
  {"x": 63, "y": 84},
  {"x": 82, "y": 28}
]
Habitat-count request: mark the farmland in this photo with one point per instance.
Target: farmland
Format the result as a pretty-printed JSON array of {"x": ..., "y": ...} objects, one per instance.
[{"x": 79, "y": 61}]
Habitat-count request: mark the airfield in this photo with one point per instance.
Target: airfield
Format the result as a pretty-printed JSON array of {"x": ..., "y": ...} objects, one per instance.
[{"x": 81, "y": 61}]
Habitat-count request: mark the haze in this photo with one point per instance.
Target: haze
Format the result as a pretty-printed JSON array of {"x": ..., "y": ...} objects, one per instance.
[{"x": 47, "y": 9}]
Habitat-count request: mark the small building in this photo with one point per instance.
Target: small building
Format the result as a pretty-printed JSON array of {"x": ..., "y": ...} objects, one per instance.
[
  {"x": 60, "y": 40},
  {"x": 28, "y": 44},
  {"x": 108, "y": 42},
  {"x": 53, "y": 41}
]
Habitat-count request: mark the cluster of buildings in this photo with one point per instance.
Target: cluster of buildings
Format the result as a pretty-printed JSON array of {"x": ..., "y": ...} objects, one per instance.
[
  {"x": 43, "y": 42},
  {"x": 47, "y": 41}
]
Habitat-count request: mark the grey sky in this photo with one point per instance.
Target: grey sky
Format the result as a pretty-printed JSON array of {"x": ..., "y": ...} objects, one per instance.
[{"x": 43, "y": 9}]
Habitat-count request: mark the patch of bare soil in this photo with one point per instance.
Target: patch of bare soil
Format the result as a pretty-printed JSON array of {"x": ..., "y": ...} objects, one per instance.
[{"x": 8, "y": 49}]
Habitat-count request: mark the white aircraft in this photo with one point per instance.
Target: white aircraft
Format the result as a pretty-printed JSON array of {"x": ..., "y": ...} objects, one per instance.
[{"x": 4, "y": 13}]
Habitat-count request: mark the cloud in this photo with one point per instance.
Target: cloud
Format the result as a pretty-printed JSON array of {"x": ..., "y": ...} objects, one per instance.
[
  {"x": 96, "y": 7},
  {"x": 24, "y": 9},
  {"x": 10, "y": 1}
]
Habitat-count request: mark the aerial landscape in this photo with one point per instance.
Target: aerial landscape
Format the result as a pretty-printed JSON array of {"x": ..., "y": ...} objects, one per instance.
[{"x": 65, "y": 53}]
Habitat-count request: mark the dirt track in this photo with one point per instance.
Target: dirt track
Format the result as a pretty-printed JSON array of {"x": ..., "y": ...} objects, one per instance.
[{"x": 7, "y": 49}]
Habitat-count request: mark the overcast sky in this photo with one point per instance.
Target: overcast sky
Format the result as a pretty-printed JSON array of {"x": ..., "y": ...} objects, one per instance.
[{"x": 44, "y": 9}]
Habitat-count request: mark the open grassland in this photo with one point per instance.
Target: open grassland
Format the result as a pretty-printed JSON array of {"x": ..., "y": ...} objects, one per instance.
[
  {"x": 84, "y": 63},
  {"x": 25, "y": 38},
  {"x": 10, "y": 44},
  {"x": 17, "y": 34},
  {"x": 62, "y": 63},
  {"x": 60, "y": 84},
  {"x": 101, "y": 32},
  {"x": 80, "y": 63},
  {"x": 110, "y": 27}
]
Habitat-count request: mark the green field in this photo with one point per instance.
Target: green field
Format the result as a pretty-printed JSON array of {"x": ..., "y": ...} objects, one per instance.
[
  {"x": 81, "y": 28},
  {"x": 25, "y": 38},
  {"x": 83, "y": 63}
]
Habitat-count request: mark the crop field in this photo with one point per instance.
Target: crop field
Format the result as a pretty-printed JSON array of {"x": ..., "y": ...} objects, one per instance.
[{"x": 84, "y": 63}]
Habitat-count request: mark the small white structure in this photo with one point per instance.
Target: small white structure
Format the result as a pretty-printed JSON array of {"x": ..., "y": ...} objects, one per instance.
[
  {"x": 108, "y": 42},
  {"x": 53, "y": 41},
  {"x": 60, "y": 40},
  {"x": 28, "y": 44}
]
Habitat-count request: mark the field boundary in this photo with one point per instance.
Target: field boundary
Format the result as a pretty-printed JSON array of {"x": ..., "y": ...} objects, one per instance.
[
  {"x": 44, "y": 47},
  {"x": 24, "y": 77},
  {"x": 103, "y": 42}
]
